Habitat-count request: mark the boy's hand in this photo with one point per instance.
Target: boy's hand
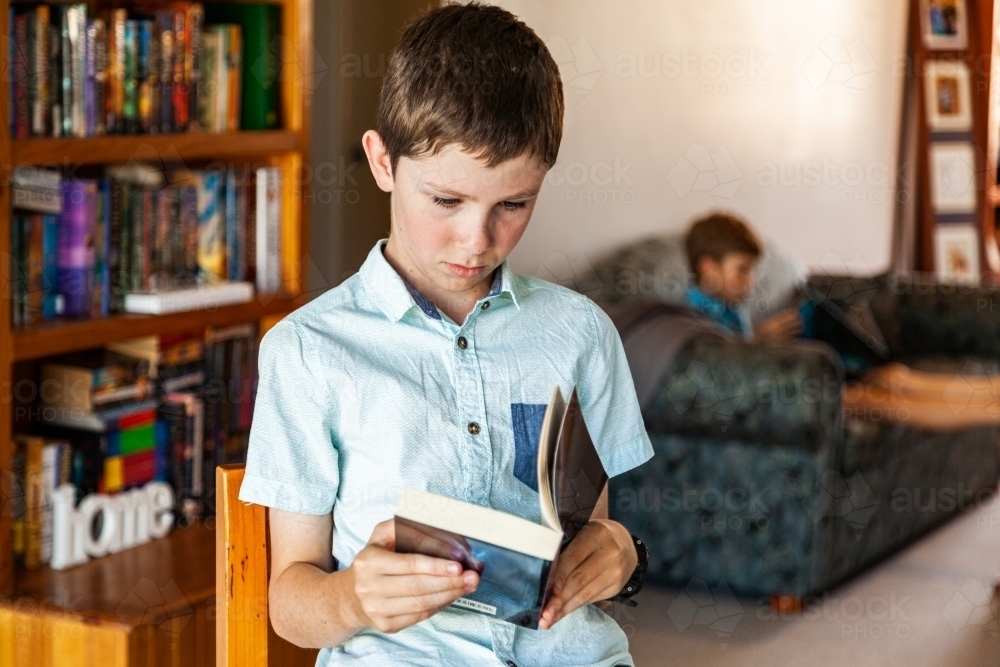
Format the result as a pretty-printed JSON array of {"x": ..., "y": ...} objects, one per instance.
[
  {"x": 595, "y": 566},
  {"x": 783, "y": 325},
  {"x": 393, "y": 591}
]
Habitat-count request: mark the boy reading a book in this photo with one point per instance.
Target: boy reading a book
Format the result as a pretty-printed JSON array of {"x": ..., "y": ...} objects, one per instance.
[
  {"x": 723, "y": 252},
  {"x": 431, "y": 368}
]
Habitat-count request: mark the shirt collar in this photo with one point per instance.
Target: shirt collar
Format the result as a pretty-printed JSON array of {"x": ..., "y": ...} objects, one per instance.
[{"x": 395, "y": 297}]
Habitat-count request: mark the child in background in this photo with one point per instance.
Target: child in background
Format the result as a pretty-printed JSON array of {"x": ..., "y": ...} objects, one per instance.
[{"x": 723, "y": 252}]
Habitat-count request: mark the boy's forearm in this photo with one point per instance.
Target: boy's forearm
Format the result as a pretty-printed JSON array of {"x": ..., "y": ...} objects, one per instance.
[{"x": 312, "y": 608}]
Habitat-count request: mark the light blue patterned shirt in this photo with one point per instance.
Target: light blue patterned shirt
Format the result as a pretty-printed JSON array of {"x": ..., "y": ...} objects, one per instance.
[{"x": 370, "y": 388}]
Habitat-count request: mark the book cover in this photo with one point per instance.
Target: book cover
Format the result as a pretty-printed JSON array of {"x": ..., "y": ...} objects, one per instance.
[
  {"x": 513, "y": 556},
  {"x": 100, "y": 305},
  {"x": 261, "y": 25},
  {"x": 67, "y": 17}
]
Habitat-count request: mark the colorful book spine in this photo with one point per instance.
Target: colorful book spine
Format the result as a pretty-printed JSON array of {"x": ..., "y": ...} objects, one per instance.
[
  {"x": 36, "y": 263},
  {"x": 78, "y": 42},
  {"x": 143, "y": 74},
  {"x": 268, "y": 269},
  {"x": 234, "y": 77},
  {"x": 116, "y": 71},
  {"x": 22, "y": 103},
  {"x": 130, "y": 102},
  {"x": 52, "y": 300},
  {"x": 55, "y": 125},
  {"x": 40, "y": 72},
  {"x": 232, "y": 264},
  {"x": 100, "y": 76},
  {"x": 211, "y": 230},
  {"x": 100, "y": 304},
  {"x": 67, "y": 17},
  {"x": 90, "y": 73},
  {"x": 75, "y": 253},
  {"x": 261, "y": 25},
  {"x": 165, "y": 20}
]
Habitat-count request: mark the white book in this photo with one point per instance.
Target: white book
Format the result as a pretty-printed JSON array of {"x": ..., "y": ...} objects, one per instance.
[
  {"x": 268, "y": 231},
  {"x": 194, "y": 298},
  {"x": 50, "y": 467}
]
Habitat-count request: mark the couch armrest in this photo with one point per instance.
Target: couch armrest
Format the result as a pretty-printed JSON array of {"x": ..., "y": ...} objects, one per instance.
[{"x": 779, "y": 394}]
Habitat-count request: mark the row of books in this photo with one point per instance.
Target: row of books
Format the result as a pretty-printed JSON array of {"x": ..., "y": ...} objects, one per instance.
[
  {"x": 84, "y": 248},
  {"x": 155, "y": 68},
  {"x": 172, "y": 412}
]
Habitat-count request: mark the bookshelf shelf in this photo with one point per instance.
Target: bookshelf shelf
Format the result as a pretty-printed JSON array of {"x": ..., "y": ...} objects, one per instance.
[
  {"x": 58, "y": 337},
  {"x": 153, "y": 147},
  {"x": 98, "y": 591}
]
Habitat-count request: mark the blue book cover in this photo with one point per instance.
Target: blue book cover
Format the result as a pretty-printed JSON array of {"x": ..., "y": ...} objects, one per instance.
[
  {"x": 75, "y": 250},
  {"x": 513, "y": 555}
]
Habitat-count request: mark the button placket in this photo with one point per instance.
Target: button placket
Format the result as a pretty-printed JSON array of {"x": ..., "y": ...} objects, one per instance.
[{"x": 477, "y": 452}]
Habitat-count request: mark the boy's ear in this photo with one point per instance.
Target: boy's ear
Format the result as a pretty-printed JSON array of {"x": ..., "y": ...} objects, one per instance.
[{"x": 378, "y": 160}]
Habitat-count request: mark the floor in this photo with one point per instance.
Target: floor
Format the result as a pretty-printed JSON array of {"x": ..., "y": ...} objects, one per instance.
[{"x": 931, "y": 605}]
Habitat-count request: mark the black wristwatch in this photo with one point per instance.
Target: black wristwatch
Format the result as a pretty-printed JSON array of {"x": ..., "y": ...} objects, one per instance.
[{"x": 634, "y": 583}]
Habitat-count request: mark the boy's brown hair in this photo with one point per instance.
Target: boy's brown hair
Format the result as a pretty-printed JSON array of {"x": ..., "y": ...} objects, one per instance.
[
  {"x": 718, "y": 234},
  {"x": 476, "y": 76}
]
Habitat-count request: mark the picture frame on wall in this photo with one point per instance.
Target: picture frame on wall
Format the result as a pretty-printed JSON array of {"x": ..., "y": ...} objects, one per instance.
[
  {"x": 956, "y": 254},
  {"x": 943, "y": 24},
  {"x": 953, "y": 177},
  {"x": 947, "y": 95}
]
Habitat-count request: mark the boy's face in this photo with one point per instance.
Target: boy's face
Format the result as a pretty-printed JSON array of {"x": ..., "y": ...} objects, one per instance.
[
  {"x": 454, "y": 220},
  {"x": 729, "y": 279}
]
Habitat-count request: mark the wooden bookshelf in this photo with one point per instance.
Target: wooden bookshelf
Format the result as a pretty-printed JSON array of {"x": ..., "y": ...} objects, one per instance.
[
  {"x": 88, "y": 614},
  {"x": 193, "y": 146}
]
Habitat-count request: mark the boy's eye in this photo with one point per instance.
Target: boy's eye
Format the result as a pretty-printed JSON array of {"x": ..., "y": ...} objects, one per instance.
[
  {"x": 513, "y": 205},
  {"x": 444, "y": 202}
]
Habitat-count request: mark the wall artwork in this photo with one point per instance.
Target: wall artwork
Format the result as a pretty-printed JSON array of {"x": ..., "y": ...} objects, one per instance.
[
  {"x": 956, "y": 253},
  {"x": 946, "y": 87},
  {"x": 943, "y": 24},
  {"x": 952, "y": 177}
]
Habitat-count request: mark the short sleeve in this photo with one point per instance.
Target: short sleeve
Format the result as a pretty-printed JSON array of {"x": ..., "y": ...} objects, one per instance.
[
  {"x": 608, "y": 400},
  {"x": 292, "y": 461}
]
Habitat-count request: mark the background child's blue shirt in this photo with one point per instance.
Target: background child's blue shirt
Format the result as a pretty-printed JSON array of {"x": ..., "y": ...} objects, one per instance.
[
  {"x": 736, "y": 320},
  {"x": 370, "y": 388}
]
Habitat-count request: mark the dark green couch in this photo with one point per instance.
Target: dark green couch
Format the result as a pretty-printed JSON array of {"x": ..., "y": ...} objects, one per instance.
[{"x": 760, "y": 482}]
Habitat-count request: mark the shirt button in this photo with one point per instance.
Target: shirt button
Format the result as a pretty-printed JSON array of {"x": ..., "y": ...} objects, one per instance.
[
  {"x": 462, "y": 343},
  {"x": 486, "y": 304},
  {"x": 473, "y": 428}
]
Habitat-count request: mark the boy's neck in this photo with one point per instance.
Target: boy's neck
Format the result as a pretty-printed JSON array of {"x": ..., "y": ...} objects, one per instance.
[{"x": 456, "y": 305}]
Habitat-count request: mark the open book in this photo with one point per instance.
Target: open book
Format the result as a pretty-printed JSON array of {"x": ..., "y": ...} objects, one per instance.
[{"x": 513, "y": 556}]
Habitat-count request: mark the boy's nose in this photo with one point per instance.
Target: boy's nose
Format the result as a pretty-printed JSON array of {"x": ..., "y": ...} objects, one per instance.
[{"x": 474, "y": 235}]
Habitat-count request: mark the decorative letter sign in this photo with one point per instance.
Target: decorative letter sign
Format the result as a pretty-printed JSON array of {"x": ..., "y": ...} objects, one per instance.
[{"x": 128, "y": 519}]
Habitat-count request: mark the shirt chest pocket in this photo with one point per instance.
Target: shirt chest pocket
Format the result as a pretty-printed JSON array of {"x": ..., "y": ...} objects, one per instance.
[{"x": 526, "y": 424}]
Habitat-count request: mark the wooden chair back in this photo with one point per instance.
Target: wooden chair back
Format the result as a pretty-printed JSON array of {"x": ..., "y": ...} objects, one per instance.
[{"x": 244, "y": 637}]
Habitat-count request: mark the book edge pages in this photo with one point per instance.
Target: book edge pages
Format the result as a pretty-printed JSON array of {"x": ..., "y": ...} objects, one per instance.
[
  {"x": 479, "y": 523},
  {"x": 555, "y": 413}
]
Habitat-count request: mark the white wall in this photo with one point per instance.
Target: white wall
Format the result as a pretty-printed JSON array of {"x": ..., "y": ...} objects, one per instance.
[{"x": 798, "y": 131}]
